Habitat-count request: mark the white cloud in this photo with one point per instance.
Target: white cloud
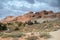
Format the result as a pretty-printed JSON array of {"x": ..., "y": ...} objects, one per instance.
[
  {"x": 19, "y": 7},
  {"x": 24, "y": 5}
]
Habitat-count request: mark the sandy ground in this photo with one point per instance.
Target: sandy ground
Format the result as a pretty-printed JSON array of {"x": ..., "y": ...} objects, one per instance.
[
  {"x": 23, "y": 38},
  {"x": 17, "y": 39},
  {"x": 55, "y": 35}
]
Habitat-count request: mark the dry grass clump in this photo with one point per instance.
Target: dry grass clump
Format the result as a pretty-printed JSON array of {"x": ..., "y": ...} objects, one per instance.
[
  {"x": 44, "y": 35},
  {"x": 32, "y": 38},
  {"x": 5, "y": 35}
]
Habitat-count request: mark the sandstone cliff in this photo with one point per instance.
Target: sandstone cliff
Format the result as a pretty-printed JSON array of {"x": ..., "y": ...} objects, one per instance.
[{"x": 31, "y": 15}]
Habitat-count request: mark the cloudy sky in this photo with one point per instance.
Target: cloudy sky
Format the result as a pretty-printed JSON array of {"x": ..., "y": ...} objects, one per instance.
[{"x": 18, "y": 7}]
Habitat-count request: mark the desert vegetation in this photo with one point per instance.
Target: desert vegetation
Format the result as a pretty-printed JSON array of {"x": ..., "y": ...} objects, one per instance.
[
  {"x": 31, "y": 30},
  {"x": 13, "y": 27},
  {"x": 32, "y": 38}
]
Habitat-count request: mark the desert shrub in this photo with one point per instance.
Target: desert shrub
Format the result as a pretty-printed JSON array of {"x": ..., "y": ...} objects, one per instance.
[
  {"x": 35, "y": 22},
  {"x": 3, "y": 26},
  {"x": 19, "y": 23},
  {"x": 11, "y": 28},
  {"x": 16, "y": 29},
  {"x": 16, "y": 38},
  {"x": 10, "y": 23},
  {"x": 30, "y": 23},
  {"x": 12, "y": 35},
  {"x": 16, "y": 35},
  {"x": 44, "y": 35},
  {"x": 23, "y": 24},
  {"x": 32, "y": 38},
  {"x": 1, "y": 33}
]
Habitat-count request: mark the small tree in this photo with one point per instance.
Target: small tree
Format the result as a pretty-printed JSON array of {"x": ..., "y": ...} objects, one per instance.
[
  {"x": 36, "y": 22},
  {"x": 3, "y": 26},
  {"x": 30, "y": 23}
]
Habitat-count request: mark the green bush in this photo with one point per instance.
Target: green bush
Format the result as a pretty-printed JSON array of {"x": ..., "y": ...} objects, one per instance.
[
  {"x": 30, "y": 23},
  {"x": 3, "y": 26}
]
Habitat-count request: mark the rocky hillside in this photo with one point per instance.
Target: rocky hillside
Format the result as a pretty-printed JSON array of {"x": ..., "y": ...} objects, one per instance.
[
  {"x": 42, "y": 15},
  {"x": 30, "y": 26}
]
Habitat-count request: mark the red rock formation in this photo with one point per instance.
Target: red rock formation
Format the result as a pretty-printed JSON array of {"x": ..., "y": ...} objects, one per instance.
[
  {"x": 31, "y": 15},
  {"x": 24, "y": 18},
  {"x": 7, "y": 19}
]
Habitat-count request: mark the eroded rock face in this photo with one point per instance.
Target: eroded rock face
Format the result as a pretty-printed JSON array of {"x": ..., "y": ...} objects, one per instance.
[
  {"x": 24, "y": 18},
  {"x": 7, "y": 19},
  {"x": 31, "y": 15}
]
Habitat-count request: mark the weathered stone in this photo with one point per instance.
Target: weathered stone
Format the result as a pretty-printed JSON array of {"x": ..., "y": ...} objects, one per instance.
[{"x": 31, "y": 15}]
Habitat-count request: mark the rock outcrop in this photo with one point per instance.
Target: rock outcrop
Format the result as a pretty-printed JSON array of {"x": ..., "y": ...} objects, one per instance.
[
  {"x": 7, "y": 19},
  {"x": 31, "y": 15}
]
